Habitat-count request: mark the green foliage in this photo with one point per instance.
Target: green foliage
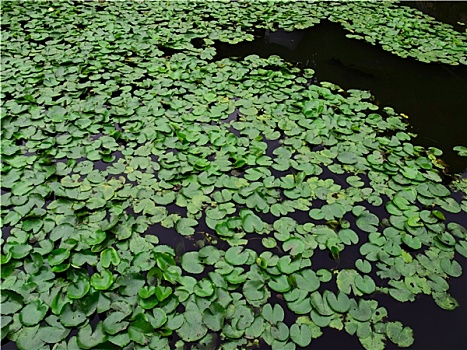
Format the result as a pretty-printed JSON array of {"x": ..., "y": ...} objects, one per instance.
[{"x": 112, "y": 143}]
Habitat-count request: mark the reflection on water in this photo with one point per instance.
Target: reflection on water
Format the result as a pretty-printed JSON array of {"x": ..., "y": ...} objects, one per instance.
[{"x": 432, "y": 95}]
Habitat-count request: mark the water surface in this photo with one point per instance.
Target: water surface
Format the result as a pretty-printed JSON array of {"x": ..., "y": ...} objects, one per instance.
[{"x": 431, "y": 94}]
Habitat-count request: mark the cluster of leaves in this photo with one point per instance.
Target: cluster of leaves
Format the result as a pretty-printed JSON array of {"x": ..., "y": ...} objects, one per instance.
[
  {"x": 402, "y": 30},
  {"x": 195, "y": 26},
  {"x": 107, "y": 145}
]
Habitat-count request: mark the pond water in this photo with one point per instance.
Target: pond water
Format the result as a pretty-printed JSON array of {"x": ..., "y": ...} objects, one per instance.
[
  {"x": 433, "y": 96},
  {"x": 451, "y": 12}
]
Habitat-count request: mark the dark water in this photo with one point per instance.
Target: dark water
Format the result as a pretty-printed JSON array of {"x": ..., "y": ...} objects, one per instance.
[
  {"x": 433, "y": 327},
  {"x": 432, "y": 95},
  {"x": 451, "y": 12}
]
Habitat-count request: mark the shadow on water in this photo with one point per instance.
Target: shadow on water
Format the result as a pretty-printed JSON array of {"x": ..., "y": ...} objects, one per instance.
[{"x": 432, "y": 95}]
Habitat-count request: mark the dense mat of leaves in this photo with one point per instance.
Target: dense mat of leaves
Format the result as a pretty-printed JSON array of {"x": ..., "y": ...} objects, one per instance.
[{"x": 117, "y": 131}]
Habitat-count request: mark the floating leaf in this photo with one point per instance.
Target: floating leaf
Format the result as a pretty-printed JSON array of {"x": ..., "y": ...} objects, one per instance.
[
  {"x": 287, "y": 265},
  {"x": 114, "y": 323},
  {"x": 109, "y": 256},
  {"x": 365, "y": 284},
  {"x": 320, "y": 304},
  {"x": 102, "y": 280},
  {"x": 307, "y": 280},
  {"x": 300, "y": 334},
  {"x": 461, "y": 248},
  {"x": 88, "y": 339},
  {"x": 348, "y": 236},
  {"x": 361, "y": 311},
  {"x": 185, "y": 226},
  {"x": 445, "y": 301},
  {"x": 345, "y": 280},
  {"x": 294, "y": 245},
  {"x": 250, "y": 221},
  {"x": 58, "y": 256},
  {"x": 256, "y": 328},
  {"x": 438, "y": 214},
  {"x": 70, "y": 318},
  {"x": 320, "y": 320},
  {"x": 274, "y": 314},
  {"x": 213, "y": 317},
  {"x": 347, "y": 158},
  {"x": 52, "y": 335},
  {"x": 159, "y": 318},
  {"x": 192, "y": 328},
  {"x": 367, "y": 222},
  {"x": 269, "y": 242},
  {"x": 451, "y": 267},
  {"x": 412, "y": 242},
  {"x": 28, "y": 339},
  {"x": 204, "y": 288},
  {"x": 363, "y": 265},
  {"x": 191, "y": 263},
  {"x": 339, "y": 303},
  {"x": 399, "y": 335},
  {"x": 279, "y": 284},
  {"x": 237, "y": 256},
  {"x": 374, "y": 341},
  {"x": 33, "y": 313},
  {"x": 462, "y": 150}
]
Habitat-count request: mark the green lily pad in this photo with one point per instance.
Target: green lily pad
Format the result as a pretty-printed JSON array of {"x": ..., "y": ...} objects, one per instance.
[
  {"x": 28, "y": 339},
  {"x": 340, "y": 303},
  {"x": 367, "y": 222},
  {"x": 204, "y": 288},
  {"x": 33, "y": 313},
  {"x": 192, "y": 328},
  {"x": 213, "y": 317},
  {"x": 287, "y": 265},
  {"x": 185, "y": 226},
  {"x": 362, "y": 311},
  {"x": 89, "y": 338},
  {"x": 70, "y": 318},
  {"x": 307, "y": 280},
  {"x": 365, "y": 284},
  {"x": 114, "y": 323},
  {"x": 191, "y": 263},
  {"x": 300, "y": 334},
  {"x": 52, "y": 335},
  {"x": 347, "y": 158},
  {"x": 250, "y": 221},
  {"x": 399, "y": 335},
  {"x": 273, "y": 315},
  {"x": 237, "y": 256},
  {"x": 110, "y": 256},
  {"x": 363, "y": 265},
  {"x": 159, "y": 318},
  {"x": 451, "y": 267},
  {"x": 280, "y": 284},
  {"x": 102, "y": 280}
]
